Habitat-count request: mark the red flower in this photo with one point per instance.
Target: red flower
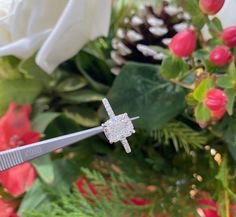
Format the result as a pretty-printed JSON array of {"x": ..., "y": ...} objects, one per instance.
[
  {"x": 211, "y": 6},
  {"x": 15, "y": 130},
  {"x": 183, "y": 43},
  {"x": 6, "y": 210},
  {"x": 216, "y": 100},
  {"x": 220, "y": 55},
  {"x": 17, "y": 179},
  {"x": 15, "y": 127},
  {"x": 229, "y": 36}
]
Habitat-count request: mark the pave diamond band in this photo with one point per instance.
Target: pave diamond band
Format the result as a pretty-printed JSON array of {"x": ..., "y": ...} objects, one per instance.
[
  {"x": 118, "y": 128},
  {"x": 108, "y": 108}
]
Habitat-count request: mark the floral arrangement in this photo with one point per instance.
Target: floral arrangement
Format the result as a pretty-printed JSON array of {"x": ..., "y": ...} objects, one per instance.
[{"x": 170, "y": 62}]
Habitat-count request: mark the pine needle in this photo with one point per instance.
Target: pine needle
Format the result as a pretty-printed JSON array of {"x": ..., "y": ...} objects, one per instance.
[{"x": 180, "y": 135}]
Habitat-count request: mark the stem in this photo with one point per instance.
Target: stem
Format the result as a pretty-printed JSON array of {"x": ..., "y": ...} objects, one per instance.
[
  {"x": 227, "y": 214},
  {"x": 184, "y": 85},
  {"x": 193, "y": 62}
]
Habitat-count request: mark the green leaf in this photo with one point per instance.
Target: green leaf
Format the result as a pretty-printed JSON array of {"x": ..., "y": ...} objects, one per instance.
[
  {"x": 29, "y": 67},
  {"x": 95, "y": 70},
  {"x": 36, "y": 198},
  {"x": 230, "y": 134},
  {"x": 232, "y": 150},
  {"x": 202, "y": 114},
  {"x": 225, "y": 81},
  {"x": 44, "y": 164},
  {"x": 61, "y": 126},
  {"x": 215, "y": 26},
  {"x": 21, "y": 91},
  {"x": 71, "y": 84},
  {"x": 198, "y": 19},
  {"x": 66, "y": 172},
  {"x": 140, "y": 91},
  {"x": 44, "y": 168},
  {"x": 191, "y": 7},
  {"x": 42, "y": 120},
  {"x": 201, "y": 90},
  {"x": 232, "y": 71},
  {"x": 82, "y": 96},
  {"x": 84, "y": 116},
  {"x": 191, "y": 100},
  {"x": 173, "y": 67},
  {"x": 230, "y": 93},
  {"x": 9, "y": 68},
  {"x": 222, "y": 175},
  {"x": 101, "y": 147}
]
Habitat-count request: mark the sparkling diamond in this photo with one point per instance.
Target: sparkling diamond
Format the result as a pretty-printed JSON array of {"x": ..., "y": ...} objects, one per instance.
[{"x": 118, "y": 128}]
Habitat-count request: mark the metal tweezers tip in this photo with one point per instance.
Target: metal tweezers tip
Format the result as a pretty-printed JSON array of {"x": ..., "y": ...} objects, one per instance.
[{"x": 134, "y": 118}]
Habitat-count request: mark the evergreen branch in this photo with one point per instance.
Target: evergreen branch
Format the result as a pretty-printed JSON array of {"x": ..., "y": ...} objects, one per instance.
[
  {"x": 180, "y": 135},
  {"x": 113, "y": 199},
  {"x": 109, "y": 202}
]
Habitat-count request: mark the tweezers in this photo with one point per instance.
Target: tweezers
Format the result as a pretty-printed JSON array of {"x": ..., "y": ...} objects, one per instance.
[{"x": 117, "y": 128}]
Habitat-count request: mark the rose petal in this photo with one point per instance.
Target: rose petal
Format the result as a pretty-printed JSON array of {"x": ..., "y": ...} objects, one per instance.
[
  {"x": 6, "y": 210},
  {"x": 18, "y": 179},
  {"x": 80, "y": 22},
  {"x": 227, "y": 14},
  {"x": 30, "y": 137}
]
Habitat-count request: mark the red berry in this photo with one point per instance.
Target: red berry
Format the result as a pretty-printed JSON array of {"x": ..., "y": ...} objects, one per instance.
[
  {"x": 229, "y": 36},
  {"x": 218, "y": 114},
  {"x": 216, "y": 100},
  {"x": 220, "y": 55},
  {"x": 183, "y": 43},
  {"x": 211, "y": 6}
]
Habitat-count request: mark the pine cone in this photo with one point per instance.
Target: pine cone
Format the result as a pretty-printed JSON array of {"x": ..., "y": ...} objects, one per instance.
[{"x": 152, "y": 27}]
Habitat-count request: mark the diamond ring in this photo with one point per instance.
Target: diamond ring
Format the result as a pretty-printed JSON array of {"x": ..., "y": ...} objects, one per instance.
[{"x": 119, "y": 127}]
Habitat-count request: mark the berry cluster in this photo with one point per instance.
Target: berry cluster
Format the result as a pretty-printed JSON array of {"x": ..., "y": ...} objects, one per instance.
[{"x": 183, "y": 45}]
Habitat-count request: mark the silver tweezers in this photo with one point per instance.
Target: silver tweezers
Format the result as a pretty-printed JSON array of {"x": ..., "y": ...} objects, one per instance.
[{"x": 117, "y": 128}]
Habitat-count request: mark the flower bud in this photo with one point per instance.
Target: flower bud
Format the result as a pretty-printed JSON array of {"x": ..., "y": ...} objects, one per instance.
[
  {"x": 183, "y": 43},
  {"x": 216, "y": 100},
  {"x": 211, "y": 6},
  {"x": 220, "y": 55},
  {"x": 229, "y": 36}
]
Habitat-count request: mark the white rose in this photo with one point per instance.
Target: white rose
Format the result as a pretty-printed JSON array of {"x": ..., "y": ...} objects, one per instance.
[
  {"x": 57, "y": 28},
  {"x": 227, "y": 14}
]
